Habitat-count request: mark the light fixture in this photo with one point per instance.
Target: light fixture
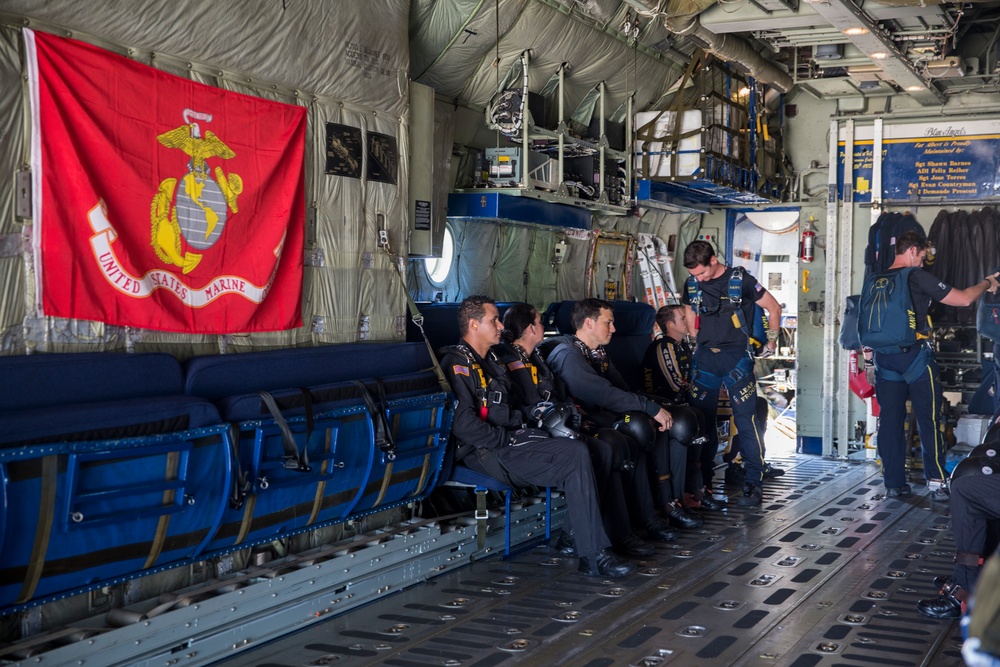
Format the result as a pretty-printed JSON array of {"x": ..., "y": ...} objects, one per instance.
[
  {"x": 743, "y": 92},
  {"x": 878, "y": 55},
  {"x": 914, "y": 89},
  {"x": 856, "y": 31}
]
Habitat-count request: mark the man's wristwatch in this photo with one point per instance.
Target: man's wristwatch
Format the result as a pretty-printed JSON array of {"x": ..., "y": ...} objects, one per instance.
[{"x": 772, "y": 335}]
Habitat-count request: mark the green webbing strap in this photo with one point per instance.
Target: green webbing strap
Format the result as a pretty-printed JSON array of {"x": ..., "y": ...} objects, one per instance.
[
  {"x": 646, "y": 132},
  {"x": 418, "y": 320},
  {"x": 679, "y": 110},
  {"x": 482, "y": 514},
  {"x": 415, "y": 315}
]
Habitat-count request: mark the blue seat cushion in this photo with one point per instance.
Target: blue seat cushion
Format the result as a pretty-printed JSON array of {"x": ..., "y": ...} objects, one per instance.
[
  {"x": 42, "y": 380},
  {"x": 461, "y": 474},
  {"x": 219, "y": 376},
  {"x": 105, "y": 421}
]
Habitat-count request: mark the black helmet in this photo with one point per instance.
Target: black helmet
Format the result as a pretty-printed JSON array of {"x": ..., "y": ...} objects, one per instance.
[
  {"x": 686, "y": 429},
  {"x": 556, "y": 421},
  {"x": 976, "y": 465},
  {"x": 639, "y": 427},
  {"x": 990, "y": 449},
  {"x": 992, "y": 435},
  {"x": 621, "y": 448}
]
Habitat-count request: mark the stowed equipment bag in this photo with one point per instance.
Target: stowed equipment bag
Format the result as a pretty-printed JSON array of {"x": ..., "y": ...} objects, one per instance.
[
  {"x": 849, "y": 323},
  {"x": 988, "y": 314},
  {"x": 888, "y": 321}
]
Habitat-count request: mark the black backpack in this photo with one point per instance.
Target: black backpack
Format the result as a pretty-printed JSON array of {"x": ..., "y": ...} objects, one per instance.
[{"x": 849, "y": 339}]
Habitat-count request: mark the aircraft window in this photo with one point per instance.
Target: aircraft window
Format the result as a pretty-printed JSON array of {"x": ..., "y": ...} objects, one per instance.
[{"x": 438, "y": 268}]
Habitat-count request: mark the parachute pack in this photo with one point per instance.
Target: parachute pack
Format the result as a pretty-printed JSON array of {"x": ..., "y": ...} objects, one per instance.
[
  {"x": 888, "y": 321},
  {"x": 988, "y": 314},
  {"x": 880, "y": 252},
  {"x": 756, "y": 329}
]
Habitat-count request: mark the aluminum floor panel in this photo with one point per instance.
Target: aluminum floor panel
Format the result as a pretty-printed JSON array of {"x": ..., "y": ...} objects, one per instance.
[{"x": 826, "y": 573}]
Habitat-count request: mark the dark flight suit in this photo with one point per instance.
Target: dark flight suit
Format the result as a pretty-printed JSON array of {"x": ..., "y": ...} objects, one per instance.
[
  {"x": 602, "y": 391},
  {"x": 534, "y": 383},
  {"x": 923, "y": 388},
  {"x": 666, "y": 372},
  {"x": 723, "y": 357},
  {"x": 486, "y": 425},
  {"x": 975, "y": 503}
]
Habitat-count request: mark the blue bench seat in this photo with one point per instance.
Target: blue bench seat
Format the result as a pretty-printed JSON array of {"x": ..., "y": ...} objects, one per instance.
[
  {"x": 106, "y": 470},
  {"x": 319, "y": 458}
]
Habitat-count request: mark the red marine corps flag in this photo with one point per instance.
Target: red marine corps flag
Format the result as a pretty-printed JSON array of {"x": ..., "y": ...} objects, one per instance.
[{"x": 160, "y": 202}]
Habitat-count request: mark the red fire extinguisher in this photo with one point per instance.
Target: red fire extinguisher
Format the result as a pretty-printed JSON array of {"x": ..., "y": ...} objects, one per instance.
[{"x": 807, "y": 249}]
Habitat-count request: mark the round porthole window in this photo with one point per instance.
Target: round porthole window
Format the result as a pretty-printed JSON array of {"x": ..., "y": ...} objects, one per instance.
[{"x": 438, "y": 268}]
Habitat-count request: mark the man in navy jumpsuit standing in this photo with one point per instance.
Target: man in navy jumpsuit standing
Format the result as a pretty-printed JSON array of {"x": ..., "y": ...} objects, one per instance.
[
  {"x": 490, "y": 437},
  {"x": 913, "y": 374},
  {"x": 722, "y": 356}
]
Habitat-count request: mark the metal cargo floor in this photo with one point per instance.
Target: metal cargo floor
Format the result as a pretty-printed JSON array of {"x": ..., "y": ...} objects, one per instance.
[{"x": 826, "y": 573}]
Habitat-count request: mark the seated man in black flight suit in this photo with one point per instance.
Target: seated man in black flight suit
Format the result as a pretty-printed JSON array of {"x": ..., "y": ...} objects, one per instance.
[
  {"x": 621, "y": 475},
  {"x": 581, "y": 363},
  {"x": 666, "y": 372},
  {"x": 491, "y": 438},
  {"x": 975, "y": 505}
]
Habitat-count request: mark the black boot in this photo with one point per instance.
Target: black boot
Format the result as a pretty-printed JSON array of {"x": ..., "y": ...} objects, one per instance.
[
  {"x": 711, "y": 503},
  {"x": 752, "y": 496},
  {"x": 683, "y": 519},
  {"x": 945, "y": 605},
  {"x": 565, "y": 544},
  {"x": 659, "y": 530},
  {"x": 632, "y": 547},
  {"x": 606, "y": 564}
]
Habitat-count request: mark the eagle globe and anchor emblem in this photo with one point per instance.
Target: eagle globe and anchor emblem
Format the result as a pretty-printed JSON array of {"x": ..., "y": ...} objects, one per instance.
[{"x": 197, "y": 205}]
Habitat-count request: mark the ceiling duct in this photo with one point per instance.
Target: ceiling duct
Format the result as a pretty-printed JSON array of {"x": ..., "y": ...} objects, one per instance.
[
  {"x": 730, "y": 48},
  {"x": 828, "y": 52}
]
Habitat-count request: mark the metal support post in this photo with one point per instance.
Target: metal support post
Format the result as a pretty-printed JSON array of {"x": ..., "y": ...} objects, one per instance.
[{"x": 830, "y": 351}]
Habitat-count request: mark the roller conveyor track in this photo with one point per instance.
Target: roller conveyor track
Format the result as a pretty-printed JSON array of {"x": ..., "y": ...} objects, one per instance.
[{"x": 826, "y": 573}]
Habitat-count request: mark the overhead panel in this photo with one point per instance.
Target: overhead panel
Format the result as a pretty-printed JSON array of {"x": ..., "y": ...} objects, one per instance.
[
  {"x": 520, "y": 207},
  {"x": 878, "y": 45}
]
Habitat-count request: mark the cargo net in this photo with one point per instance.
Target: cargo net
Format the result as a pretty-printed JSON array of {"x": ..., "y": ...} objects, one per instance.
[{"x": 713, "y": 130}]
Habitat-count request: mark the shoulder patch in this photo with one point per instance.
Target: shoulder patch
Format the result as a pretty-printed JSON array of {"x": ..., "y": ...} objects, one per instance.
[
  {"x": 759, "y": 287},
  {"x": 515, "y": 365},
  {"x": 460, "y": 370}
]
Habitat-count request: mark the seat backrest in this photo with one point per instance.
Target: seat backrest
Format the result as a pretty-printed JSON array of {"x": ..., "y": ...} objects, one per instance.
[
  {"x": 219, "y": 376},
  {"x": 633, "y": 334},
  {"x": 440, "y": 323},
  {"x": 51, "y": 380}
]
